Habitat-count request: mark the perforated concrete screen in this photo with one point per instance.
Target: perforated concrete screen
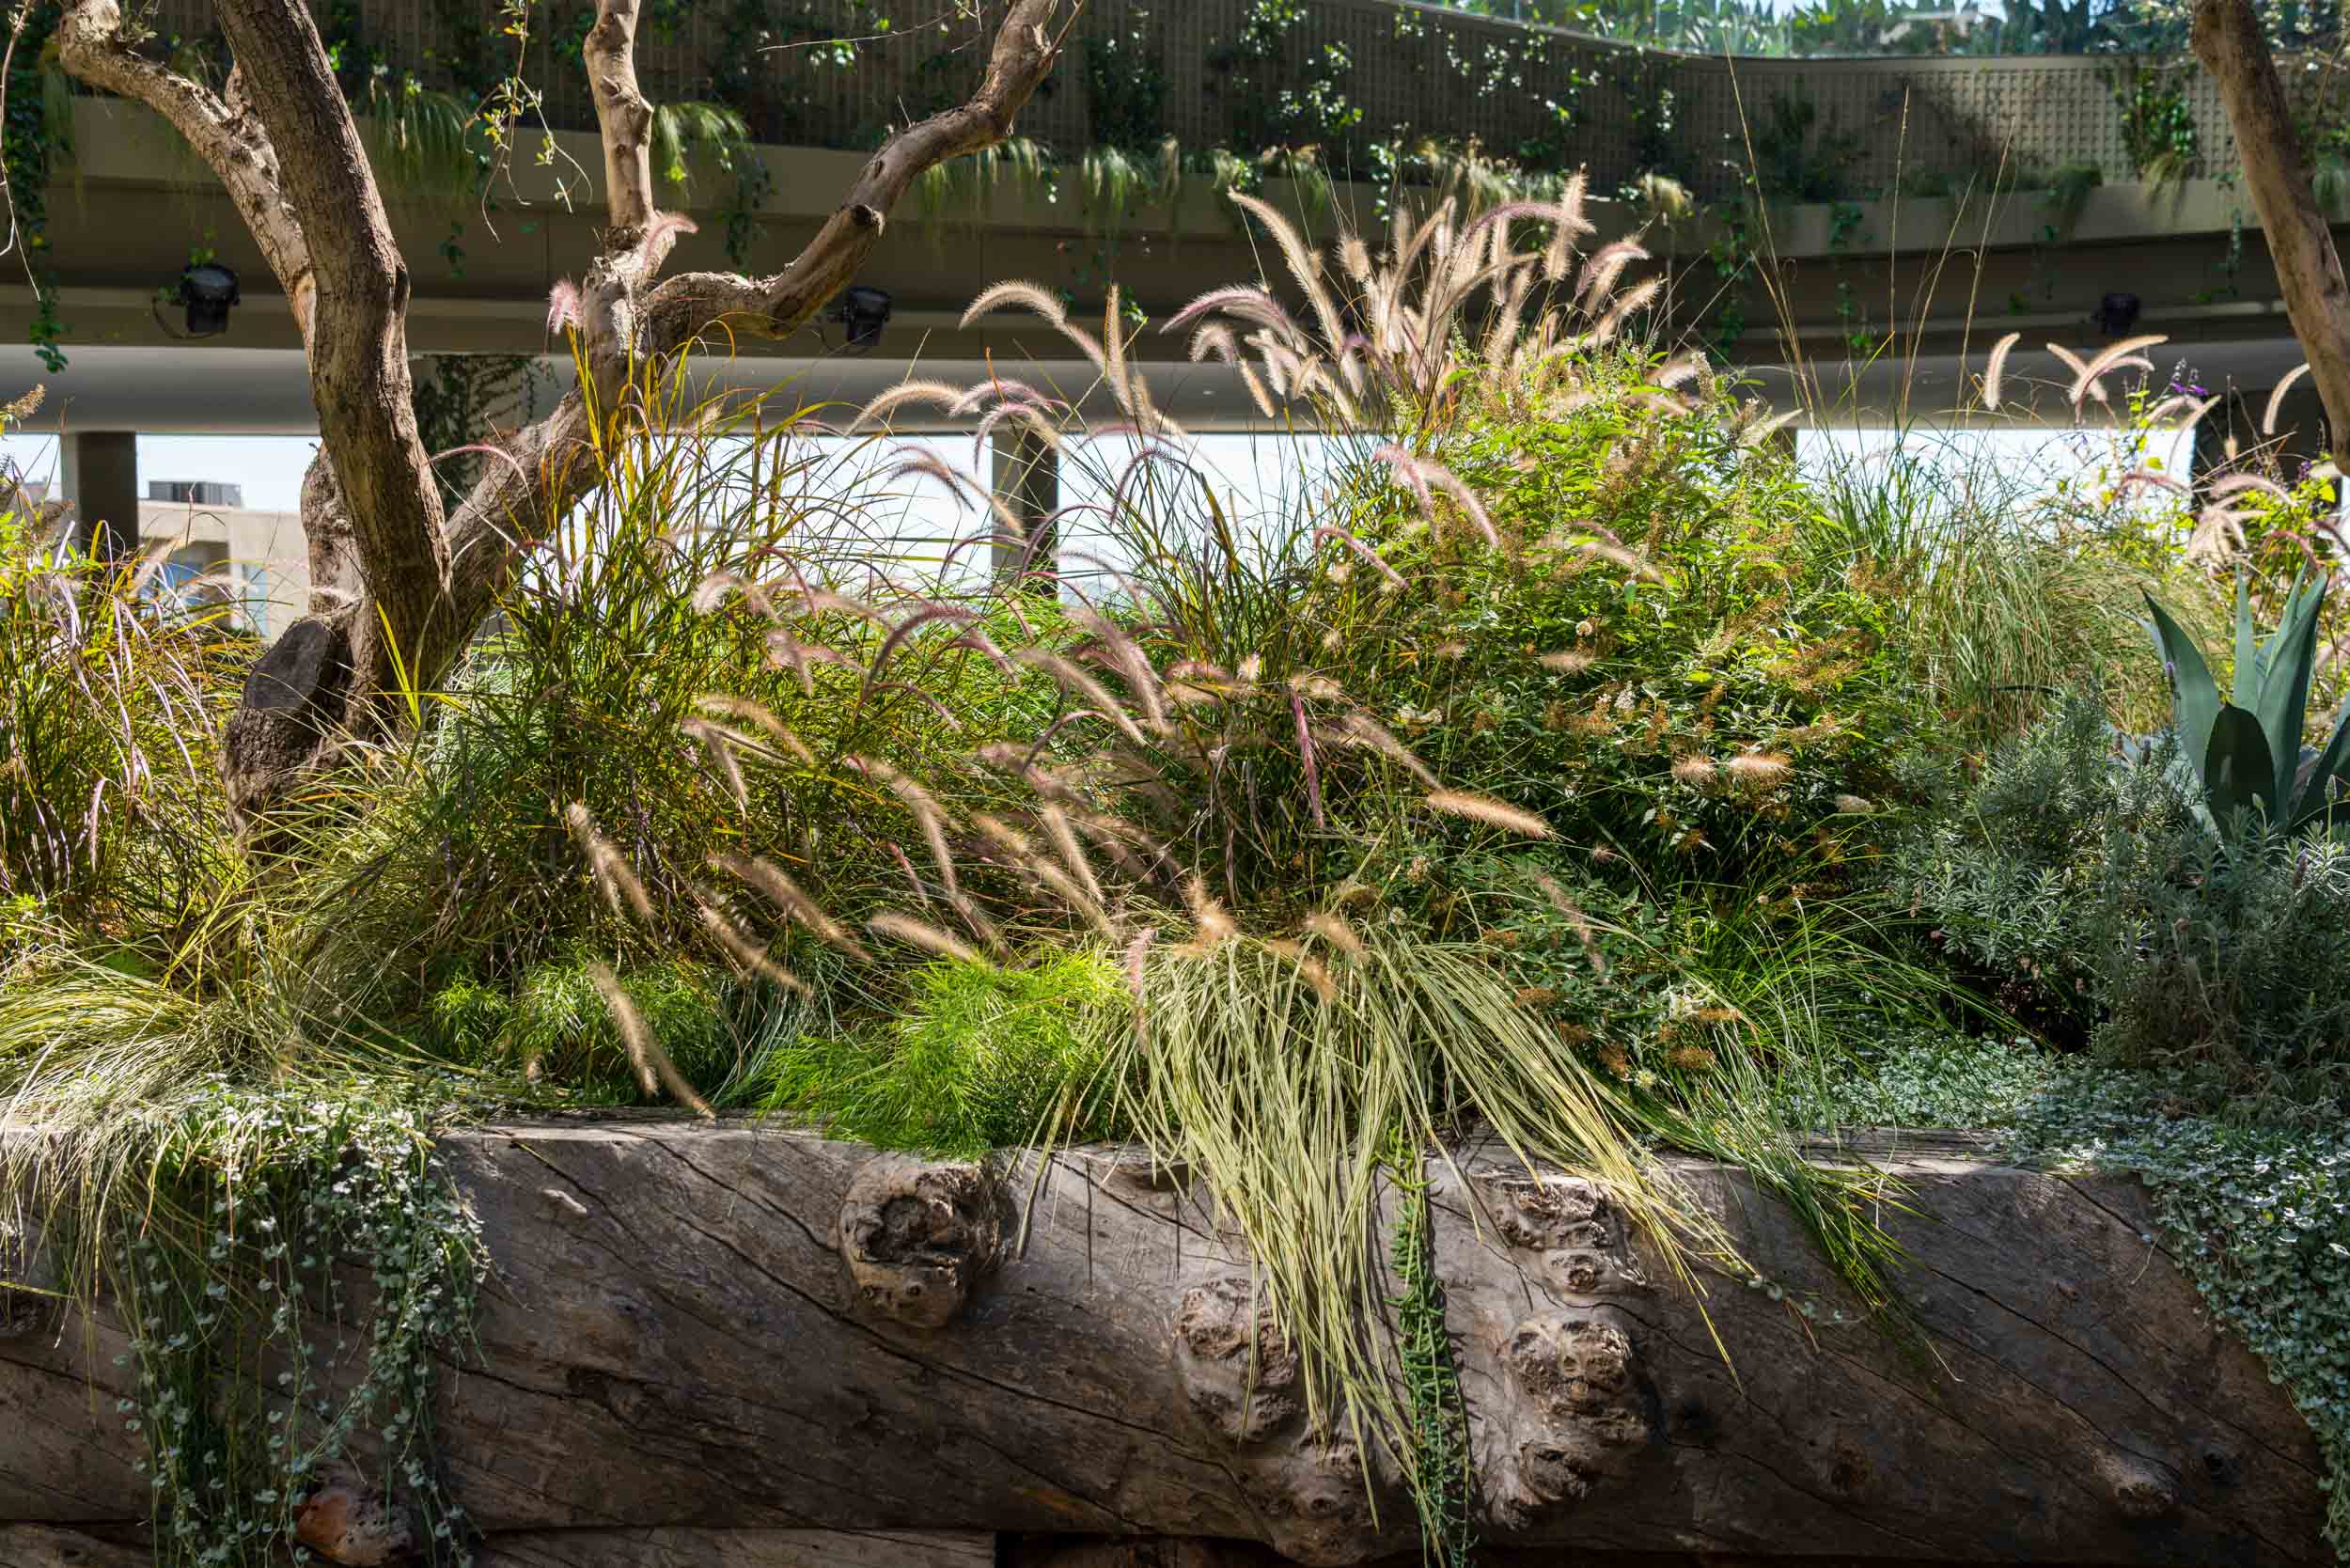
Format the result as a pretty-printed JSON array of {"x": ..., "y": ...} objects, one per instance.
[{"x": 1421, "y": 70}]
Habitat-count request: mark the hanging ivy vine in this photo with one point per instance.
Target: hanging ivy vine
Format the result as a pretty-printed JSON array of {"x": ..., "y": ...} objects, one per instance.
[
  {"x": 37, "y": 136},
  {"x": 291, "y": 1270}
]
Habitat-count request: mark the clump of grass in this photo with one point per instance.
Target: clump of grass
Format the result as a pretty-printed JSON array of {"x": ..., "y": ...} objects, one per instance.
[
  {"x": 1284, "y": 1078},
  {"x": 111, "y": 702}
]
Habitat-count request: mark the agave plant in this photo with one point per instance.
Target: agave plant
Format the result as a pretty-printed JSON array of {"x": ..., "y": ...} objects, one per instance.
[{"x": 2245, "y": 750}]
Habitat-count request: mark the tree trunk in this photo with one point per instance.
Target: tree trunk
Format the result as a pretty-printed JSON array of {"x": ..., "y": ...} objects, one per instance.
[
  {"x": 701, "y": 1340},
  {"x": 2227, "y": 39}
]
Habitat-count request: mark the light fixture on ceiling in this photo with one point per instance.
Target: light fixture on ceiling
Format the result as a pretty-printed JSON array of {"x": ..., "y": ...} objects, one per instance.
[
  {"x": 864, "y": 312},
  {"x": 209, "y": 291}
]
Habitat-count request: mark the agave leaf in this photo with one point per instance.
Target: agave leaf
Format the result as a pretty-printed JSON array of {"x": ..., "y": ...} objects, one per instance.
[
  {"x": 2195, "y": 695},
  {"x": 2288, "y": 662},
  {"x": 2334, "y": 760},
  {"x": 2239, "y": 772},
  {"x": 2265, "y": 656},
  {"x": 2249, "y": 655}
]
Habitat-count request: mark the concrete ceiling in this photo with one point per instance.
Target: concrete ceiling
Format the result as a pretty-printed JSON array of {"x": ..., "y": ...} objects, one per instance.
[{"x": 223, "y": 391}]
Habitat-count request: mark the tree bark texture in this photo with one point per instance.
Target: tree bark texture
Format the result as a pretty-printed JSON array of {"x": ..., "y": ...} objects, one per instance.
[
  {"x": 703, "y": 1333},
  {"x": 2227, "y": 39},
  {"x": 397, "y": 587}
]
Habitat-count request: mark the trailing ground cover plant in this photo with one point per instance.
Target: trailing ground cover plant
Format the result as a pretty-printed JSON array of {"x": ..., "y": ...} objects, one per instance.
[
  {"x": 208, "y": 1173},
  {"x": 2254, "y": 1214}
]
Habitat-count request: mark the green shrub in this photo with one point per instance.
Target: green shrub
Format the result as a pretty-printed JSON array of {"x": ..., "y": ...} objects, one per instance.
[
  {"x": 979, "y": 1059},
  {"x": 552, "y": 1026},
  {"x": 2007, "y": 869},
  {"x": 2226, "y": 957}
]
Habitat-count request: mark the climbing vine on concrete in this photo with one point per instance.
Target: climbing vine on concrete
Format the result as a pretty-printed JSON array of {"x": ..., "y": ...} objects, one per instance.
[
  {"x": 2159, "y": 127},
  {"x": 1277, "y": 92},
  {"x": 37, "y": 134}
]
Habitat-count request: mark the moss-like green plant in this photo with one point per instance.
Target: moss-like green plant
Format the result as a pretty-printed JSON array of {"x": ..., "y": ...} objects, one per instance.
[
  {"x": 979, "y": 1059},
  {"x": 553, "y": 1025}
]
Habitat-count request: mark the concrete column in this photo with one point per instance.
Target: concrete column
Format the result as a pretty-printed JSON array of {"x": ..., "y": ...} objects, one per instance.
[
  {"x": 1027, "y": 479},
  {"x": 101, "y": 477}
]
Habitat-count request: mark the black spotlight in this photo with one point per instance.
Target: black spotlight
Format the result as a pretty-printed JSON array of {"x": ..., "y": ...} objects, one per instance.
[
  {"x": 2116, "y": 314},
  {"x": 864, "y": 312},
  {"x": 208, "y": 290}
]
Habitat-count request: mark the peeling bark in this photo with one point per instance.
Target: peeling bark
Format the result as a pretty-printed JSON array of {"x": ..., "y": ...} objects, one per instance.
[{"x": 699, "y": 1333}]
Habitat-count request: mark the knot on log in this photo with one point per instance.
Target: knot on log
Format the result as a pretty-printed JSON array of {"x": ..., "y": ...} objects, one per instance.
[
  {"x": 355, "y": 1528},
  {"x": 1240, "y": 1377},
  {"x": 1238, "y": 1372},
  {"x": 1585, "y": 1245},
  {"x": 1575, "y": 1411},
  {"x": 917, "y": 1238},
  {"x": 2142, "y": 1488}
]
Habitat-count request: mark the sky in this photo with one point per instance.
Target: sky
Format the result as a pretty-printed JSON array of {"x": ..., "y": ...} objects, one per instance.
[{"x": 1252, "y": 474}]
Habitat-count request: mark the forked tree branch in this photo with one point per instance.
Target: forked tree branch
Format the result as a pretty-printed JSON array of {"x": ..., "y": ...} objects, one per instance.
[
  {"x": 552, "y": 474},
  {"x": 692, "y": 304}
]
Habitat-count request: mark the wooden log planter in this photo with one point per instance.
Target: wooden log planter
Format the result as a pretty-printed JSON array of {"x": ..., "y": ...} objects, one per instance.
[{"x": 754, "y": 1348}]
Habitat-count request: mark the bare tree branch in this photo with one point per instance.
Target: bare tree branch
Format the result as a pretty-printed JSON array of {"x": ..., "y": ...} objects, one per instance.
[
  {"x": 624, "y": 119},
  {"x": 226, "y": 136},
  {"x": 693, "y": 306},
  {"x": 688, "y": 305}
]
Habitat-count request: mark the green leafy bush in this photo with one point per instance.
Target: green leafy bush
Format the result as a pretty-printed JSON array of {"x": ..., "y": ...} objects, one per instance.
[
  {"x": 2007, "y": 868},
  {"x": 553, "y": 1025},
  {"x": 980, "y": 1058},
  {"x": 2226, "y": 956}
]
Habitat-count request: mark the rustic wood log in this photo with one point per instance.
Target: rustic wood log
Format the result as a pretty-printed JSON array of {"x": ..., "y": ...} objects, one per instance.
[{"x": 704, "y": 1342}]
